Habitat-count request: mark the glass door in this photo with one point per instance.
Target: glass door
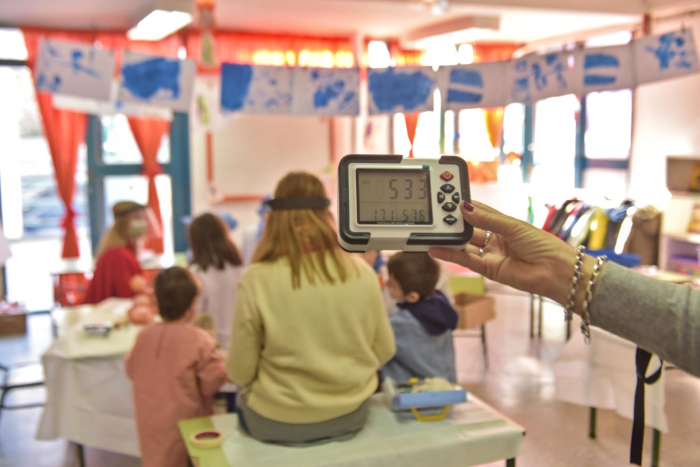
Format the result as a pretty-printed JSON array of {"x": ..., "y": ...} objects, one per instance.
[{"x": 115, "y": 174}]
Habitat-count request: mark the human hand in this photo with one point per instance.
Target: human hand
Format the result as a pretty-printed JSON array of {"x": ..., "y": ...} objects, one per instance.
[{"x": 517, "y": 254}]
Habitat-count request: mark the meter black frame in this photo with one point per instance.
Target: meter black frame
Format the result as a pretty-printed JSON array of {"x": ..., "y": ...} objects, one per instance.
[{"x": 362, "y": 238}]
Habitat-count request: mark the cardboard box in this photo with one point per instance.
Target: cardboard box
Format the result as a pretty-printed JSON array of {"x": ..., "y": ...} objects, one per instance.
[
  {"x": 13, "y": 320},
  {"x": 474, "y": 310}
]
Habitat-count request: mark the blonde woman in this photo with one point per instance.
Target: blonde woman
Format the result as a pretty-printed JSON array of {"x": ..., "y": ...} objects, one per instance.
[
  {"x": 310, "y": 329},
  {"x": 117, "y": 271}
]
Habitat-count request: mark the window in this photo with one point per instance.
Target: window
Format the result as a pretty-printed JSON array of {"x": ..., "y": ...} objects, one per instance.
[
  {"x": 12, "y": 44},
  {"x": 31, "y": 206},
  {"x": 474, "y": 143},
  {"x": 555, "y": 143},
  {"x": 31, "y": 209},
  {"x": 607, "y": 142},
  {"x": 119, "y": 145},
  {"x": 514, "y": 129},
  {"x": 609, "y": 125}
]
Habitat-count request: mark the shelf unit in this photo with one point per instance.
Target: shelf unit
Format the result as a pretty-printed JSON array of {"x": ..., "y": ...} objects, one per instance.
[{"x": 675, "y": 238}]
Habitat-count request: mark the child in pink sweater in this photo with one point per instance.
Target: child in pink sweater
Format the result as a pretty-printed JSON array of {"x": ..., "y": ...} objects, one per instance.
[{"x": 175, "y": 370}]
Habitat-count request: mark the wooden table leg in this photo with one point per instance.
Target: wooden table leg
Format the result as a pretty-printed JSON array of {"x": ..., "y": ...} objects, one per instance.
[
  {"x": 539, "y": 317},
  {"x": 484, "y": 347},
  {"x": 532, "y": 316},
  {"x": 592, "y": 422},
  {"x": 656, "y": 449},
  {"x": 81, "y": 455}
]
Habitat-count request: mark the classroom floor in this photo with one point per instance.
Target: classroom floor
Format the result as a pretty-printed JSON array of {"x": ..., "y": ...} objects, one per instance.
[{"x": 519, "y": 383}]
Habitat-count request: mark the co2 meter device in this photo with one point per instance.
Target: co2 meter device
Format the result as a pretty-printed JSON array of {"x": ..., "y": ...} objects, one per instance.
[{"x": 390, "y": 202}]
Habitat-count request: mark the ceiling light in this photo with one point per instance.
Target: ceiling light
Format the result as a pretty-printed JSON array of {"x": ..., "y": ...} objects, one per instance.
[
  {"x": 157, "y": 19},
  {"x": 158, "y": 25},
  {"x": 453, "y": 31},
  {"x": 465, "y": 54}
]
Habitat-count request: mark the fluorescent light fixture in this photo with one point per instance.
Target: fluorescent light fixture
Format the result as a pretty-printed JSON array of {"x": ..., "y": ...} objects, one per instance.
[
  {"x": 158, "y": 25},
  {"x": 454, "y": 31}
]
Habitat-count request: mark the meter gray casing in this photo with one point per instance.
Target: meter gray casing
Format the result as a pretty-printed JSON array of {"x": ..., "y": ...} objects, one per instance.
[{"x": 354, "y": 237}]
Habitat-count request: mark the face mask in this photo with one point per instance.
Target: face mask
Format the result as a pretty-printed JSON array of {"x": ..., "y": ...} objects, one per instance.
[{"x": 137, "y": 227}]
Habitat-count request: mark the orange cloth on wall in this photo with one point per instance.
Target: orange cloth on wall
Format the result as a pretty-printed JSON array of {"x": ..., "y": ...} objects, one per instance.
[
  {"x": 148, "y": 134},
  {"x": 494, "y": 125},
  {"x": 64, "y": 131},
  {"x": 249, "y": 48},
  {"x": 411, "y": 127}
]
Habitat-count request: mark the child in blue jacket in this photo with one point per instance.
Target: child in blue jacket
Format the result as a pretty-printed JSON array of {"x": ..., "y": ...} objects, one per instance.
[{"x": 424, "y": 322}]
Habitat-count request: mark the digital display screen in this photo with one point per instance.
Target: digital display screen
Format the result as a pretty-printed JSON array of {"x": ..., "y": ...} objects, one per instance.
[{"x": 394, "y": 196}]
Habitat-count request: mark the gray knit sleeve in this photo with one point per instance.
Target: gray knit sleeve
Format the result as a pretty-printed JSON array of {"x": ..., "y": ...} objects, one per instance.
[{"x": 659, "y": 317}]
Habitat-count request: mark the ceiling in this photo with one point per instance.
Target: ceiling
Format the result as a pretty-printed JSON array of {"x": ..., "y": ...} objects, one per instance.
[{"x": 375, "y": 18}]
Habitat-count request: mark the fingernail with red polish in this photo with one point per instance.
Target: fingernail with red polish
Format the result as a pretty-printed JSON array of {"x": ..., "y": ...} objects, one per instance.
[{"x": 468, "y": 206}]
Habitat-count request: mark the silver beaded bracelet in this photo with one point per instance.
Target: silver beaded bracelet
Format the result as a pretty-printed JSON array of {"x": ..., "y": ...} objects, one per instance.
[
  {"x": 585, "y": 315},
  {"x": 569, "y": 310}
]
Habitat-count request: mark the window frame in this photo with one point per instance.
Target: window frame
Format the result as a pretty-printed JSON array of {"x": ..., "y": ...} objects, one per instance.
[
  {"x": 178, "y": 169},
  {"x": 582, "y": 161}
]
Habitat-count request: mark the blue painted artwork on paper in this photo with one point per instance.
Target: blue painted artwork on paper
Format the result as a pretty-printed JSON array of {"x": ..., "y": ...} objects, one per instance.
[
  {"x": 600, "y": 69},
  {"x": 539, "y": 76},
  {"x": 605, "y": 68},
  {"x": 157, "y": 81},
  {"x": 665, "y": 56},
  {"x": 408, "y": 89},
  {"x": 671, "y": 51},
  {"x": 472, "y": 86},
  {"x": 145, "y": 79},
  {"x": 74, "y": 69},
  {"x": 466, "y": 86},
  {"x": 326, "y": 91},
  {"x": 256, "y": 89}
]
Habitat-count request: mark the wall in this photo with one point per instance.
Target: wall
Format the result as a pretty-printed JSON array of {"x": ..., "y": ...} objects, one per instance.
[
  {"x": 666, "y": 122},
  {"x": 253, "y": 152}
]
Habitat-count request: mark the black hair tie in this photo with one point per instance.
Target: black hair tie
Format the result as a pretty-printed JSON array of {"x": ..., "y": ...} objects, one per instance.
[{"x": 298, "y": 203}]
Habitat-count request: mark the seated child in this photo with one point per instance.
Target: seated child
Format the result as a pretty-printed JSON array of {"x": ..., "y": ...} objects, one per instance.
[
  {"x": 424, "y": 322},
  {"x": 175, "y": 371}
]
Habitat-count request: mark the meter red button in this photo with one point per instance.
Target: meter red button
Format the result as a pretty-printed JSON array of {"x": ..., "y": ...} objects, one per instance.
[{"x": 447, "y": 176}]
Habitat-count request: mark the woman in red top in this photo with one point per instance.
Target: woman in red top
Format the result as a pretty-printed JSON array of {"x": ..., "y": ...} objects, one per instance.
[{"x": 117, "y": 272}]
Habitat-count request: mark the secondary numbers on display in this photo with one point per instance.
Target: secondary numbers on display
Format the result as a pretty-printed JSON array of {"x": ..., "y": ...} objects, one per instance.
[{"x": 408, "y": 215}]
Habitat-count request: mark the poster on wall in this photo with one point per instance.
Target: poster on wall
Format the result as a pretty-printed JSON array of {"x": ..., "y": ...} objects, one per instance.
[
  {"x": 256, "y": 89},
  {"x": 74, "y": 69},
  {"x": 605, "y": 68},
  {"x": 404, "y": 89},
  {"x": 206, "y": 112},
  {"x": 326, "y": 91},
  {"x": 665, "y": 56},
  {"x": 156, "y": 81},
  {"x": 535, "y": 77},
  {"x": 473, "y": 86}
]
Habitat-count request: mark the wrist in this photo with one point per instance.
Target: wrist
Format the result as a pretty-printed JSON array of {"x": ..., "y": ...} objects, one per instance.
[
  {"x": 563, "y": 277},
  {"x": 587, "y": 268}
]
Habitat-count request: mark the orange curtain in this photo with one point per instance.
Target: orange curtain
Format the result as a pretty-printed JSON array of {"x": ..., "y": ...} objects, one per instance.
[
  {"x": 493, "y": 52},
  {"x": 148, "y": 134},
  {"x": 272, "y": 49},
  {"x": 411, "y": 126},
  {"x": 494, "y": 125},
  {"x": 65, "y": 132},
  {"x": 494, "y": 116}
]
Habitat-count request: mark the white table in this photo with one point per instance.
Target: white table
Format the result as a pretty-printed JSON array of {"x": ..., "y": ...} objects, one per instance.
[
  {"x": 603, "y": 375},
  {"x": 473, "y": 434},
  {"x": 88, "y": 395}
]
